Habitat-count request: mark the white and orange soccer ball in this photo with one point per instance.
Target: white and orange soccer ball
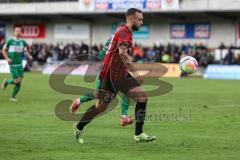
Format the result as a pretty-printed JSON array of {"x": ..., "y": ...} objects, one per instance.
[{"x": 188, "y": 65}]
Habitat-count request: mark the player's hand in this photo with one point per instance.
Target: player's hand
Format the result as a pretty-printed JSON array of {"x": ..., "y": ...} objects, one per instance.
[
  {"x": 140, "y": 80},
  {"x": 30, "y": 57},
  {"x": 9, "y": 61},
  {"x": 138, "y": 77}
]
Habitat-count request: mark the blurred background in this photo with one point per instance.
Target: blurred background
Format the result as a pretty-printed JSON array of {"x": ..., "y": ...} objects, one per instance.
[
  {"x": 198, "y": 120},
  {"x": 57, "y": 30}
]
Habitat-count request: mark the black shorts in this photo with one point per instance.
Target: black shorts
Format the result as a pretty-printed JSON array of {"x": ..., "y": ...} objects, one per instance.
[{"x": 109, "y": 89}]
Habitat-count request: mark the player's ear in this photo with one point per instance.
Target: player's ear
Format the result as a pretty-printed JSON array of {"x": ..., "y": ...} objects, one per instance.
[{"x": 131, "y": 18}]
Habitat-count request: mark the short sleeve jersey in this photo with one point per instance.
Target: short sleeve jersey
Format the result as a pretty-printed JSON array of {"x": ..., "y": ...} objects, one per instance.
[
  {"x": 15, "y": 49},
  {"x": 113, "y": 66}
]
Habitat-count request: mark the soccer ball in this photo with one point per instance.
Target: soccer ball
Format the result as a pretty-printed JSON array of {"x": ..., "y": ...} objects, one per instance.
[{"x": 188, "y": 65}]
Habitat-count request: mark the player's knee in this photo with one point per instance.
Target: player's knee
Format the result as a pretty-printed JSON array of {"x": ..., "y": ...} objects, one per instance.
[
  {"x": 99, "y": 104},
  {"x": 95, "y": 94},
  {"x": 16, "y": 81},
  {"x": 101, "y": 107}
]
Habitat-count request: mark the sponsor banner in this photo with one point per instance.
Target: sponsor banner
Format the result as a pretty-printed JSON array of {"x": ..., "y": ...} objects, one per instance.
[
  {"x": 152, "y": 5},
  {"x": 86, "y": 5},
  {"x": 178, "y": 31},
  {"x": 32, "y": 30},
  {"x": 190, "y": 31},
  {"x": 123, "y": 5},
  {"x": 4, "y": 67},
  {"x": 173, "y": 70},
  {"x": 101, "y": 5},
  {"x": 158, "y": 69},
  {"x": 150, "y": 69},
  {"x": 202, "y": 31},
  {"x": 71, "y": 31},
  {"x": 170, "y": 4},
  {"x": 222, "y": 72},
  {"x": 143, "y": 33},
  {"x": 2, "y": 31}
]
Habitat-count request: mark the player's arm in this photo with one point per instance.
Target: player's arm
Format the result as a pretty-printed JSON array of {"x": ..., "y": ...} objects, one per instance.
[
  {"x": 127, "y": 61},
  {"x": 5, "y": 54},
  {"x": 126, "y": 58},
  {"x": 27, "y": 53},
  {"x": 103, "y": 51}
]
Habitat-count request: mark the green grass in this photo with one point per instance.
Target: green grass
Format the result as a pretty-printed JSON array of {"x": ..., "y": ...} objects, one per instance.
[{"x": 29, "y": 128}]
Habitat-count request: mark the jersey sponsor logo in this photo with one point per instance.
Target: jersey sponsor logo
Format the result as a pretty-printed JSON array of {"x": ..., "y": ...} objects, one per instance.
[
  {"x": 21, "y": 44},
  {"x": 32, "y": 30},
  {"x": 17, "y": 49}
]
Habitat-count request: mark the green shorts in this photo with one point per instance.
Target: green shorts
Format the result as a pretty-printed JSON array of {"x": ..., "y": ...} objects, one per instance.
[{"x": 16, "y": 71}]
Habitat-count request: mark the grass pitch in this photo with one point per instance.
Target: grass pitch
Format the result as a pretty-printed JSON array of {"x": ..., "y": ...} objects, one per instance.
[{"x": 198, "y": 120}]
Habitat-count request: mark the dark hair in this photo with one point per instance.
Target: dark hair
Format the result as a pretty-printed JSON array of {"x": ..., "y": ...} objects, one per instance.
[{"x": 132, "y": 11}]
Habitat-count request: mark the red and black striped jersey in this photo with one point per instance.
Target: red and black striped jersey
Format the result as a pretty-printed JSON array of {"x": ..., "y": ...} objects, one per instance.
[{"x": 113, "y": 66}]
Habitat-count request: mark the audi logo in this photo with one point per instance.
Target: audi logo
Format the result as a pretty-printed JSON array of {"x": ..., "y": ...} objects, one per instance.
[{"x": 30, "y": 31}]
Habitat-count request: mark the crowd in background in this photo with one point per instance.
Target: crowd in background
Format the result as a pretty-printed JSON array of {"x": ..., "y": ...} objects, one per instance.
[
  {"x": 43, "y": 52},
  {"x": 171, "y": 53}
]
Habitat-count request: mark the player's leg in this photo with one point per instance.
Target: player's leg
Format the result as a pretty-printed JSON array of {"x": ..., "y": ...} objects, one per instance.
[
  {"x": 88, "y": 116},
  {"x": 140, "y": 97},
  {"x": 80, "y": 100},
  {"x": 16, "y": 89},
  {"x": 125, "y": 119},
  {"x": 132, "y": 88},
  {"x": 9, "y": 81},
  {"x": 17, "y": 81},
  {"x": 125, "y": 104},
  {"x": 17, "y": 75},
  {"x": 6, "y": 82},
  {"x": 88, "y": 96},
  {"x": 105, "y": 90}
]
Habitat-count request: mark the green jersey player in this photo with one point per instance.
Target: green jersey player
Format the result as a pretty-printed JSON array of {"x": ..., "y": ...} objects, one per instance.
[
  {"x": 13, "y": 51},
  {"x": 125, "y": 119}
]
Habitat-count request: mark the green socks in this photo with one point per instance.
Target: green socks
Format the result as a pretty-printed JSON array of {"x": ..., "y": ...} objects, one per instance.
[
  {"x": 16, "y": 87},
  {"x": 125, "y": 104},
  {"x": 10, "y": 81},
  {"x": 87, "y": 97},
  {"x": 15, "y": 90}
]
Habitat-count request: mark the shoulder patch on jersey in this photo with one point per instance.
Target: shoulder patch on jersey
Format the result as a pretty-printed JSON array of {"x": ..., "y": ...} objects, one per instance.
[{"x": 122, "y": 34}]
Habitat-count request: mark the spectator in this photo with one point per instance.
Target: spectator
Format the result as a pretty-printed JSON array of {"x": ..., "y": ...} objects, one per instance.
[
  {"x": 170, "y": 53},
  {"x": 151, "y": 54},
  {"x": 138, "y": 53},
  {"x": 222, "y": 46},
  {"x": 2, "y": 41}
]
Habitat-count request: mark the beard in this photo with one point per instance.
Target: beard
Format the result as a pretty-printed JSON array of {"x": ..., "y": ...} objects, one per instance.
[{"x": 135, "y": 28}]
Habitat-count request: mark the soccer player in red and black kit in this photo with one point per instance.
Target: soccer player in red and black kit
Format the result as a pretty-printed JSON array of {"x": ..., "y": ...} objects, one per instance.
[{"x": 118, "y": 74}]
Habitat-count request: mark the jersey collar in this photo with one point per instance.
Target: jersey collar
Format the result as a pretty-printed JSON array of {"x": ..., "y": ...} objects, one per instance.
[
  {"x": 16, "y": 39},
  {"x": 128, "y": 29}
]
